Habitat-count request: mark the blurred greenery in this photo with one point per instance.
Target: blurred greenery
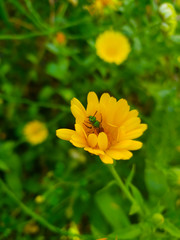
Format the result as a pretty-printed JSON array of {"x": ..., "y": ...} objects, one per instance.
[{"x": 53, "y": 190}]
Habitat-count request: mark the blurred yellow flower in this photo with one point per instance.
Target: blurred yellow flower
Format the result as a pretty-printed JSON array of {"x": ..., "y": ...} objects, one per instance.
[
  {"x": 31, "y": 228},
  {"x": 60, "y": 38},
  {"x": 39, "y": 199},
  {"x": 74, "y": 2},
  {"x": 112, "y": 47},
  {"x": 98, "y": 6},
  {"x": 35, "y": 132},
  {"x": 106, "y": 128}
]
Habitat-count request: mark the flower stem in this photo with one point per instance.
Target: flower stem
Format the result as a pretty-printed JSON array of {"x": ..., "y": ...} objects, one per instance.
[{"x": 123, "y": 186}]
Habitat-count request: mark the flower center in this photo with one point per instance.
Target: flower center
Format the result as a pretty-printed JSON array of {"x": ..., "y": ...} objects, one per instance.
[{"x": 93, "y": 124}]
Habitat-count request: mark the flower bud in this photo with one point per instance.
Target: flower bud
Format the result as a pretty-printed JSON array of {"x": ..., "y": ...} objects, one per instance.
[
  {"x": 158, "y": 219},
  {"x": 169, "y": 18},
  {"x": 39, "y": 199}
]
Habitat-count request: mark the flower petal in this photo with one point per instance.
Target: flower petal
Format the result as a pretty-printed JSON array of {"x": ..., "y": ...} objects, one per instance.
[
  {"x": 119, "y": 154},
  {"x": 94, "y": 151},
  {"x": 136, "y": 132},
  {"x": 92, "y": 140},
  {"x": 133, "y": 134},
  {"x": 102, "y": 141},
  {"x": 143, "y": 126},
  {"x": 78, "y": 141},
  {"x": 127, "y": 144},
  {"x": 80, "y": 130},
  {"x": 77, "y": 113},
  {"x": 132, "y": 123},
  {"x": 64, "y": 133},
  {"x": 104, "y": 99},
  {"x": 77, "y": 103},
  {"x": 106, "y": 159},
  {"x": 132, "y": 113},
  {"x": 92, "y": 103},
  {"x": 135, "y": 145}
]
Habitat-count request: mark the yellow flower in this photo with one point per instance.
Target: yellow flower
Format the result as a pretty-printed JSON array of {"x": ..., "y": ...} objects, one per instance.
[
  {"x": 39, "y": 199},
  {"x": 106, "y": 128},
  {"x": 35, "y": 132},
  {"x": 112, "y": 47},
  {"x": 98, "y": 6}
]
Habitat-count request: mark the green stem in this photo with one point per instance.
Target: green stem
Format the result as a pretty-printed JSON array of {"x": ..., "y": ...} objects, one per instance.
[
  {"x": 121, "y": 184},
  {"x": 35, "y": 216},
  {"x": 124, "y": 188}
]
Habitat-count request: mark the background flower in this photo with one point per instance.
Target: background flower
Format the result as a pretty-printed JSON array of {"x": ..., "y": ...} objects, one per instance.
[
  {"x": 112, "y": 47},
  {"x": 35, "y": 132}
]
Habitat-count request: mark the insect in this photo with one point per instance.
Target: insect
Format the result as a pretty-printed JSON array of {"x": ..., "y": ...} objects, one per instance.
[{"x": 94, "y": 123}]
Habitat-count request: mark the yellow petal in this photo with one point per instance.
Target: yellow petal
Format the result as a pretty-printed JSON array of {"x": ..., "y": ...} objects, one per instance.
[
  {"x": 121, "y": 112},
  {"x": 64, "y": 133},
  {"x": 92, "y": 103},
  {"x": 115, "y": 154},
  {"x": 122, "y": 144},
  {"x": 77, "y": 144},
  {"x": 77, "y": 113},
  {"x": 78, "y": 141},
  {"x": 133, "y": 134},
  {"x": 80, "y": 130},
  {"x": 104, "y": 99},
  {"x": 111, "y": 110},
  {"x": 143, "y": 126},
  {"x": 135, "y": 145},
  {"x": 92, "y": 140},
  {"x": 127, "y": 144},
  {"x": 132, "y": 114},
  {"x": 132, "y": 123},
  {"x": 136, "y": 132},
  {"x": 102, "y": 141},
  {"x": 119, "y": 154},
  {"x": 126, "y": 154},
  {"x": 94, "y": 151},
  {"x": 106, "y": 159},
  {"x": 77, "y": 103},
  {"x": 103, "y": 105}
]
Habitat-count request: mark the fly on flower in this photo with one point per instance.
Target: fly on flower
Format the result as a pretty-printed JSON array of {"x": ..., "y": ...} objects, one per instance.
[
  {"x": 94, "y": 123},
  {"x": 106, "y": 128}
]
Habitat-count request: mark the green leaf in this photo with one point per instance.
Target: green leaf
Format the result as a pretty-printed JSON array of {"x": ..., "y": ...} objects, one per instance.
[
  {"x": 171, "y": 229},
  {"x": 130, "y": 177},
  {"x": 134, "y": 209},
  {"x": 3, "y": 166},
  {"x": 137, "y": 195},
  {"x": 58, "y": 70},
  {"x": 112, "y": 211}
]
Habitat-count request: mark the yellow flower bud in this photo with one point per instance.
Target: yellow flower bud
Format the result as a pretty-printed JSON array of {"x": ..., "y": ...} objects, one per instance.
[{"x": 39, "y": 199}]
